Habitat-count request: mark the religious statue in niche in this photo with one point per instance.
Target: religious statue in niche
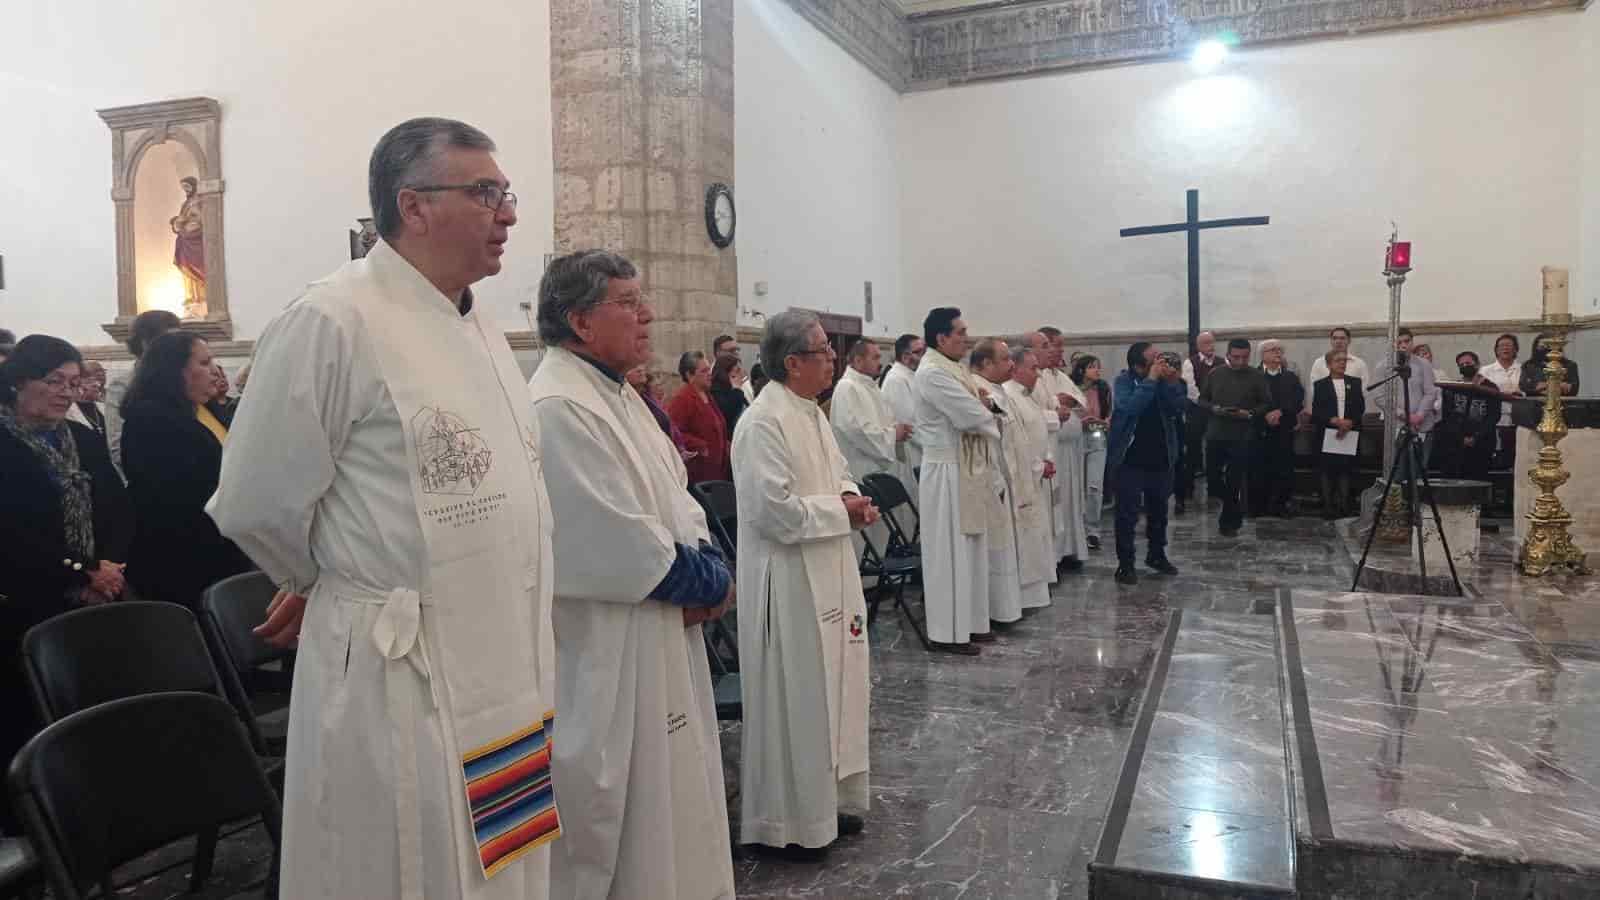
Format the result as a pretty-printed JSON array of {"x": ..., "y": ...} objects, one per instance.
[
  {"x": 189, "y": 255},
  {"x": 362, "y": 242}
]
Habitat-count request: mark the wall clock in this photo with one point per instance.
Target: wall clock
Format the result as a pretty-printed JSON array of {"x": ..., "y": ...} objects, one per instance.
[{"x": 721, "y": 218}]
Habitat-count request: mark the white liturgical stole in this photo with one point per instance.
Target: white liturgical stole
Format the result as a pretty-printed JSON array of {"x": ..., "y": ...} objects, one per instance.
[{"x": 478, "y": 627}]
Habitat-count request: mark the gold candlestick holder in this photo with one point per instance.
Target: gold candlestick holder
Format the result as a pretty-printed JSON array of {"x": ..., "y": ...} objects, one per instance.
[{"x": 1548, "y": 547}]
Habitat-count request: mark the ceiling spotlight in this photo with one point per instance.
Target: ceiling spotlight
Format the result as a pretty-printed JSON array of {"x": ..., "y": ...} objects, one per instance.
[{"x": 1208, "y": 55}]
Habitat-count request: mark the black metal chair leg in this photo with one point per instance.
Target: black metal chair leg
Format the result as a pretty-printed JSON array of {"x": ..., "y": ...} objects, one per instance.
[
  {"x": 900, "y": 604},
  {"x": 205, "y": 856}
]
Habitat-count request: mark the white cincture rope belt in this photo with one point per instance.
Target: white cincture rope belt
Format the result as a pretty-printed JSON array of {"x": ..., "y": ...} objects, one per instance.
[{"x": 398, "y": 635}]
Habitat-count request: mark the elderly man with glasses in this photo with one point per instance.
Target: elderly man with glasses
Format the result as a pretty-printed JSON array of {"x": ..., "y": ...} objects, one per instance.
[
  {"x": 386, "y": 474},
  {"x": 638, "y": 766},
  {"x": 803, "y": 618}
]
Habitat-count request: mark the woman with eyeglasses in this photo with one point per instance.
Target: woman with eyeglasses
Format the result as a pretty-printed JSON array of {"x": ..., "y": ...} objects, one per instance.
[
  {"x": 172, "y": 455},
  {"x": 67, "y": 521}
]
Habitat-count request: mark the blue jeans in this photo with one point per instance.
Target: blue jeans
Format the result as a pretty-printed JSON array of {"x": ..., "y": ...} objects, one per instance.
[{"x": 1153, "y": 488}]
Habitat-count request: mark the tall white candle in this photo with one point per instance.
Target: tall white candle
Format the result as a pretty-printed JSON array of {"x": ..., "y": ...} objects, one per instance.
[{"x": 1555, "y": 291}]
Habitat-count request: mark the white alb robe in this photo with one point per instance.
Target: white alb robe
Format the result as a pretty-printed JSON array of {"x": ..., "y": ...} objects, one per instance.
[
  {"x": 955, "y": 563},
  {"x": 899, "y": 389},
  {"x": 388, "y": 466},
  {"x": 1072, "y": 538},
  {"x": 1005, "y": 575},
  {"x": 864, "y": 428},
  {"x": 802, "y": 627},
  {"x": 637, "y": 761},
  {"x": 1036, "y": 560}
]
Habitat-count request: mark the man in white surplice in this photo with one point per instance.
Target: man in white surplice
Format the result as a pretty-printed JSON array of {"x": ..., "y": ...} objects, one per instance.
[
  {"x": 1035, "y": 543},
  {"x": 637, "y": 762},
  {"x": 864, "y": 426},
  {"x": 385, "y": 473},
  {"x": 899, "y": 390},
  {"x": 958, "y": 492},
  {"x": 1064, "y": 400},
  {"x": 991, "y": 362},
  {"x": 802, "y": 616}
]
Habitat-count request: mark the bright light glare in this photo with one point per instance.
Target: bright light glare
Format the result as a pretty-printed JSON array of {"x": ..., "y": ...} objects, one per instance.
[{"x": 1208, "y": 55}]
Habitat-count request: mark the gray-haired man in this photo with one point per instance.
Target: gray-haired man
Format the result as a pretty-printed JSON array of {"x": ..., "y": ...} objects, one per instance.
[{"x": 385, "y": 474}]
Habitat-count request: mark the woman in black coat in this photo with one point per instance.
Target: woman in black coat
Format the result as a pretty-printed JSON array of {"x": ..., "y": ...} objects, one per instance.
[
  {"x": 1327, "y": 411},
  {"x": 725, "y": 392},
  {"x": 172, "y": 455},
  {"x": 67, "y": 522}
]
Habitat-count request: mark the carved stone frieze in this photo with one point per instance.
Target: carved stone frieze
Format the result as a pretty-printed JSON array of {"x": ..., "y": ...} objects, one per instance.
[{"x": 1004, "y": 39}]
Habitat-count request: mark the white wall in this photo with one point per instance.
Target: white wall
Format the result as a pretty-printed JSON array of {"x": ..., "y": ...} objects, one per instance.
[
  {"x": 815, "y": 172},
  {"x": 1469, "y": 137},
  {"x": 306, "y": 89}
]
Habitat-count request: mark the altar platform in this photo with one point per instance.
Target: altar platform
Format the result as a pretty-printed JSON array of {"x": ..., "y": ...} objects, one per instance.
[{"x": 1399, "y": 746}]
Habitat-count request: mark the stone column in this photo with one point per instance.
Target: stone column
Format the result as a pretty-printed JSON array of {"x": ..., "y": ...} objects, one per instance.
[{"x": 642, "y": 104}]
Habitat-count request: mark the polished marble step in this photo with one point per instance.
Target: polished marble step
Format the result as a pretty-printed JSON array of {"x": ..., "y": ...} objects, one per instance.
[
  {"x": 1201, "y": 807},
  {"x": 1438, "y": 749}
]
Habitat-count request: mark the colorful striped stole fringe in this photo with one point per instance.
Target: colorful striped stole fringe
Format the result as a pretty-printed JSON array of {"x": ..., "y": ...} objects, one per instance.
[{"x": 508, "y": 789}]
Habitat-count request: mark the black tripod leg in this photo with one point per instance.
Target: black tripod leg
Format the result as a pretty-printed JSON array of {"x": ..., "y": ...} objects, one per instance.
[
  {"x": 1438, "y": 522},
  {"x": 1414, "y": 510},
  {"x": 1377, "y": 518}
]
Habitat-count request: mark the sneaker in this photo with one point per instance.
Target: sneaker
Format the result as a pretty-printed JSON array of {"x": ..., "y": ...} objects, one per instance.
[
  {"x": 1161, "y": 564},
  {"x": 1126, "y": 575}
]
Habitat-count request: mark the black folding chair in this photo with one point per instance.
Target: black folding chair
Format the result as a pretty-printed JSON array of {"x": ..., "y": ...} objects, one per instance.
[
  {"x": 230, "y": 611},
  {"x": 108, "y": 784},
  {"x": 893, "y": 573},
  {"x": 888, "y": 494},
  {"x": 98, "y": 654},
  {"x": 717, "y": 500}
]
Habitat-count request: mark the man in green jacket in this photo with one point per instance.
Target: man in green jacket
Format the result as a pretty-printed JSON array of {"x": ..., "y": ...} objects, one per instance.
[{"x": 1235, "y": 397}]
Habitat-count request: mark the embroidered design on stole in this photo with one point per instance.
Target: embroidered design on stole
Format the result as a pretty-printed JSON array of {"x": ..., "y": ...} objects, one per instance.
[
  {"x": 509, "y": 791},
  {"x": 452, "y": 456}
]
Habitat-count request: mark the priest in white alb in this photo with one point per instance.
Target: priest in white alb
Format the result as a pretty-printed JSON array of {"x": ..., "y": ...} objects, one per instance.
[
  {"x": 637, "y": 763},
  {"x": 385, "y": 473},
  {"x": 1033, "y": 444},
  {"x": 899, "y": 390},
  {"x": 958, "y": 497},
  {"x": 991, "y": 362},
  {"x": 802, "y": 615},
  {"x": 1065, "y": 400},
  {"x": 865, "y": 427}
]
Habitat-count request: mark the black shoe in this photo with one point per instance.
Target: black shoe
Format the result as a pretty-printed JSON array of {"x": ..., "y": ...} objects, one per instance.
[
  {"x": 791, "y": 853},
  {"x": 850, "y": 824},
  {"x": 958, "y": 649},
  {"x": 996, "y": 625},
  {"x": 986, "y": 637},
  {"x": 1229, "y": 532},
  {"x": 1178, "y": 508},
  {"x": 1126, "y": 575},
  {"x": 1161, "y": 564},
  {"x": 1094, "y": 542},
  {"x": 1069, "y": 564}
]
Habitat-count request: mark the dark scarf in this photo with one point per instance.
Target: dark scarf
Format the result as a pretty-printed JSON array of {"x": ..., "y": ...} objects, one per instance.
[{"x": 61, "y": 461}]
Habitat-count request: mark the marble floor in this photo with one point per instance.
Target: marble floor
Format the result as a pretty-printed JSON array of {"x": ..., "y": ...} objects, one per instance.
[{"x": 991, "y": 776}]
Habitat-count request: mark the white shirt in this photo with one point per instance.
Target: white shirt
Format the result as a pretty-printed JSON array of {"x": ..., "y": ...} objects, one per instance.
[
  {"x": 1354, "y": 368},
  {"x": 1338, "y": 393},
  {"x": 1188, "y": 376},
  {"x": 1509, "y": 381}
]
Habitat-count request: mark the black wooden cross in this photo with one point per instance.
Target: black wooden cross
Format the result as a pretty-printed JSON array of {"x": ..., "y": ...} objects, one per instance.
[{"x": 1193, "y": 226}]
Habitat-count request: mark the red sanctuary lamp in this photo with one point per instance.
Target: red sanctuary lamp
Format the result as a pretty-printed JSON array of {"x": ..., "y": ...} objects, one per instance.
[{"x": 1398, "y": 260}]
